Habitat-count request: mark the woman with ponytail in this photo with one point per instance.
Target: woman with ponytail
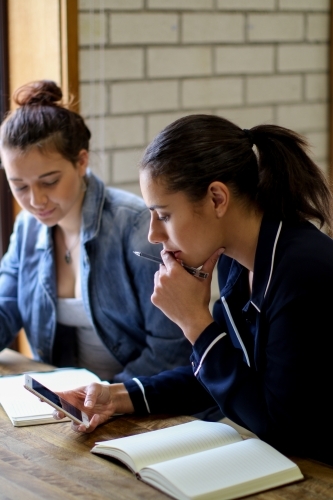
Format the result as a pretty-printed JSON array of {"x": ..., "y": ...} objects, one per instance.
[
  {"x": 250, "y": 201},
  {"x": 70, "y": 277}
]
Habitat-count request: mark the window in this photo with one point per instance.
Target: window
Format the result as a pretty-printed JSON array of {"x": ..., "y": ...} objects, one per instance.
[{"x": 6, "y": 206}]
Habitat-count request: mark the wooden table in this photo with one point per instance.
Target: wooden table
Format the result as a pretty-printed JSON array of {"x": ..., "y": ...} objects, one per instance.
[{"x": 53, "y": 462}]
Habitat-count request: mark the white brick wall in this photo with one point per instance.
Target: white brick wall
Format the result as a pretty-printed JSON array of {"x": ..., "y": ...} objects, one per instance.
[
  {"x": 275, "y": 27},
  {"x": 302, "y": 57},
  {"x": 144, "y": 28},
  {"x": 245, "y": 59},
  {"x": 145, "y": 63}
]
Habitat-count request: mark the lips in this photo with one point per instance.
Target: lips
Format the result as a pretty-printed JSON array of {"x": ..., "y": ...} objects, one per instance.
[
  {"x": 45, "y": 214},
  {"x": 176, "y": 254}
]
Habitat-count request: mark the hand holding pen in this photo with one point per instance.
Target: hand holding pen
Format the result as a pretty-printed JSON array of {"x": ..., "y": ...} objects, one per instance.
[
  {"x": 184, "y": 300},
  {"x": 192, "y": 270}
]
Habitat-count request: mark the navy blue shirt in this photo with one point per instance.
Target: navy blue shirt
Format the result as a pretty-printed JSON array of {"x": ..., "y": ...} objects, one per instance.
[{"x": 266, "y": 359}]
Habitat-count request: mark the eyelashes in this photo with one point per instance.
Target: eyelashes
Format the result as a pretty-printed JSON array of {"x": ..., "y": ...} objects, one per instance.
[{"x": 45, "y": 185}]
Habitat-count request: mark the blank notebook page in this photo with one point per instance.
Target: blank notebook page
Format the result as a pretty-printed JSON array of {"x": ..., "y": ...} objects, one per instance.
[
  {"x": 156, "y": 446},
  {"x": 226, "y": 467}
]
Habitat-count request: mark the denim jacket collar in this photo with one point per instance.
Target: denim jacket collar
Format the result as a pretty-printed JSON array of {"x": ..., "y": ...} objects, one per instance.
[
  {"x": 91, "y": 214},
  {"x": 92, "y": 207}
]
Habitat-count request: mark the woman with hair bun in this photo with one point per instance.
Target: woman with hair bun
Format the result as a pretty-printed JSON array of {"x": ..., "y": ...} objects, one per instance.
[
  {"x": 264, "y": 355},
  {"x": 70, "y": 277}
]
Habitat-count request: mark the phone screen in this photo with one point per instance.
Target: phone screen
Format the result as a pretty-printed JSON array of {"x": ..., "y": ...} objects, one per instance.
[{"x": 68, "y": 408}]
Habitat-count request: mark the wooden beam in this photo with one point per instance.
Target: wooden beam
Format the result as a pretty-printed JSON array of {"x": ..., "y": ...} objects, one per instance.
[
  {"x": 69, "y": 51},
  {"x": 34, "y": 42}
]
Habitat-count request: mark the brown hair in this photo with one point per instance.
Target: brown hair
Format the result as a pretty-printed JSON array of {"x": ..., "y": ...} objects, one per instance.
[
  {"x": 279, "y": 179},
  {"x": 43, "y": 121}
]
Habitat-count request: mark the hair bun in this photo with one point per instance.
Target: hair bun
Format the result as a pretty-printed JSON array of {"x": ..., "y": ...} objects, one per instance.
[{"x": 43, "y": 92}]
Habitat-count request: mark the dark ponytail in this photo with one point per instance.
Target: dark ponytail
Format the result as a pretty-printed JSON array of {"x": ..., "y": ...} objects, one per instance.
[
  {"x": 290, "y": 183},
  {"x": 42, "y": 120},
  {"x": 278, "y": 178}
]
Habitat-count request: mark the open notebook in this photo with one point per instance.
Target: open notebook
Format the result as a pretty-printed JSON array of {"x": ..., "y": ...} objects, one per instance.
[
  {"x": 23, "y": 408},
  {"x": 202, "y": 461}
]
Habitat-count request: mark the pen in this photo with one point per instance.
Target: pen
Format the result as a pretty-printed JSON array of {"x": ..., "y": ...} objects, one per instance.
[{"x": 192, "y": 270}]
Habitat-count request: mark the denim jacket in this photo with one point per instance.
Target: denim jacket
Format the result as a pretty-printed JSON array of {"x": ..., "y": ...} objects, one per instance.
[{"x": 116, "y": 287}]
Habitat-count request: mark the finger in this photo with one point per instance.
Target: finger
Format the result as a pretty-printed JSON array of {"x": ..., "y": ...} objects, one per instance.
[
  {"x": 94, "y": 422},
  {"x": 156, "y": 277},
  {"x": 168, "y": 259},
  {"x": 58, "y": 415},
  {"x": 211, "y": 262},
  {"x": 80, "y": 428},
  {"x": 91, "y": 396}
]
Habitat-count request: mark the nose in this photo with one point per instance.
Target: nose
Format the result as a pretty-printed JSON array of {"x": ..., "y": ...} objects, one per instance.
[
  {"x": 38, "y": 198},
  {"x": 156, "y": 233}
]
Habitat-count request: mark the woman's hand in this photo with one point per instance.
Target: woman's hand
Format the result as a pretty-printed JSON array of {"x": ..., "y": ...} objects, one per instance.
[
  {"x": 182, "y": 297},
  {"x": 98, "y": 401}
]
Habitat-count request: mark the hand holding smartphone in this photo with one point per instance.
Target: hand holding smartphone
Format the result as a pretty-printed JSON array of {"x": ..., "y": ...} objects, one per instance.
[{"x": 50, "y": 397}]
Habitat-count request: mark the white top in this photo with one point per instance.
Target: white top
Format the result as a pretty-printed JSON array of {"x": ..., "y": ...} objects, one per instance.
[{"x": 92, "y": 353}]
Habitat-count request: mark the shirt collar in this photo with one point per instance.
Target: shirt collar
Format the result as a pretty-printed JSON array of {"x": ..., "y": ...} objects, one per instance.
[{"x": 264, "y": 259}]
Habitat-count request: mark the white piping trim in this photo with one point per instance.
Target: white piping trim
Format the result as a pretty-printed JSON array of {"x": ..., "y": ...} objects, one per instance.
[
  {"x": 273, "y": 257},
  {"x": 235, "y": 329},
  {"x": 143, "y": 393},
  {"x": 207, "y": 351},
  {"x": 255, "y": 306}
]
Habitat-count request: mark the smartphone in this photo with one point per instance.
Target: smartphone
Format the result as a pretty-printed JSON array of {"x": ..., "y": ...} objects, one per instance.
[{"x": 55, "y": 401}]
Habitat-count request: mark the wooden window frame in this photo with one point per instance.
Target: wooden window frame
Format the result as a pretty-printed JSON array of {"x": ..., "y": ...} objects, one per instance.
[{"x": 6, "y": 199}]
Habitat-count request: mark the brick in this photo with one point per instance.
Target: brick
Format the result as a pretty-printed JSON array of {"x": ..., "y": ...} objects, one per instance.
[
  {"x": 319, "y": 145},
  {"x": 244, "y": 59},
  {"x": 181, "y": 4},
  {"x": 100, "y": 163},
  {"x": 304, "y": 57},
  {"x": 111, "y": 64},
  {"x": 273, "y": 89},
  {"x": 306, "y": 5},
  {"x": 210, "y": 28},
  {"x": 144, "y": 28},
  {"x": 117, "y": 132},
  {"x": 92, "y": 29},
  {"x": 93, "y": 99},
  {"x": 248, "y": 117},
  {"x": 303, "y": 117},
  {"x": 324, "y": 165},
  {"x": 132, "y": 187},
  {"x": 275, "y": 27},
  {"x": 178, "y": 61},
  {"x": 316, "y": 87},
  {"x": 210, "y": 92},
  {"x": 157, "y": 121},
  {"x": 318, "y": 27},
  {"x": 126, "y": 165},
  {"x": 246, "y": 4},
  {"x": 111, "y": 4},
  {"x": 145, "y": 96}
]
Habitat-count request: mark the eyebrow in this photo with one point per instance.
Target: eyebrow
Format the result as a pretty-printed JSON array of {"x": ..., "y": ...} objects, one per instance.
[
  {"x": 153, "y": 207},
  {"x": 40, "y": 177}
]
